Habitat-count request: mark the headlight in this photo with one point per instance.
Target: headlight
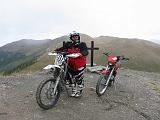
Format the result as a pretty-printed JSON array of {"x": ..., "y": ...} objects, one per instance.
[{"x": 110, "y": 63}]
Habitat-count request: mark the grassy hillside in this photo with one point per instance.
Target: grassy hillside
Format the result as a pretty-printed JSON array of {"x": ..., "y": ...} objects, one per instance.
[
  {"x": 144, "y": 55},
  {"x": 18, "y": 55},
  {"x": 27, "y": 56}
]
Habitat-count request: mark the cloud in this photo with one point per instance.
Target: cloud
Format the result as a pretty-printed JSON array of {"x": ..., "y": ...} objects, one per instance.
[{"x": 40, "y": 19}]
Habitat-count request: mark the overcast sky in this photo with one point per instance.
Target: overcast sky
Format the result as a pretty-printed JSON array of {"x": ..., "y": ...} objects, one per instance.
[{"x": 42, "y": 19}]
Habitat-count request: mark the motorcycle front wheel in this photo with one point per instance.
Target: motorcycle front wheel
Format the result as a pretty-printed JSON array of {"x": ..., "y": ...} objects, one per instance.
[
  {"x": 102, "y": 84},
  {"x": 45, "y": 96}
]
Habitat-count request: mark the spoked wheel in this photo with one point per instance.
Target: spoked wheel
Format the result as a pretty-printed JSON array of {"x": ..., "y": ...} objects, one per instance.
[
  {"x": 45, "y": 96},
  {"x": 102, "y": 84},
  {"x": 111, "y": 81}
]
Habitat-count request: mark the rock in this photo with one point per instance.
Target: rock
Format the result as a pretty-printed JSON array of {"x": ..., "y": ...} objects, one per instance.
[
  {"x": 95, "y": 68},
  {"x": 31, "y": 92},
  {"x": 81, "y": 103},
  {"x": 92, "y": 89}
]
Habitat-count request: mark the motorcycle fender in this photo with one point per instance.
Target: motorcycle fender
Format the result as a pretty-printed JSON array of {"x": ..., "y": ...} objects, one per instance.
[
  {"x": 51, "y": 67},
  {"x": 104, "y": 72}
]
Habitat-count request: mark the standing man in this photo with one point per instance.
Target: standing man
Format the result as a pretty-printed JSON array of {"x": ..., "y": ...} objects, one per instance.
[{"x": 76, "y": 66}]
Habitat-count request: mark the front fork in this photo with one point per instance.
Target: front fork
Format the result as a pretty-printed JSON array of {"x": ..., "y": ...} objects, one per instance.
[
  {"x": 61, "y": 76},
  {"x": 57, "y": 80},
  {"x": 109, "y": 77},
  {"x": 55, "y": 88}
]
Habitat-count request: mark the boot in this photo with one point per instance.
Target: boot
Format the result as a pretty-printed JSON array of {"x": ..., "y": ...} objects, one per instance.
[
  {"x": 79, "y": 90},
  {"x": 74, "y": 90}
]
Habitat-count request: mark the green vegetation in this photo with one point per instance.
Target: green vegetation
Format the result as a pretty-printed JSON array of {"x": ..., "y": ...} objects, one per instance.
[
  {"x": 8, "y": 57},
  {"x": 19, "y": 65},
  {"x": 18, "y": 55}
]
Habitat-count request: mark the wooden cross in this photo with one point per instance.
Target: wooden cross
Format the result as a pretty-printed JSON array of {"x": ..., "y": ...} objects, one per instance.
[
  {"x": 64, "y": 43},
  {"x": 92, "y": 51}
]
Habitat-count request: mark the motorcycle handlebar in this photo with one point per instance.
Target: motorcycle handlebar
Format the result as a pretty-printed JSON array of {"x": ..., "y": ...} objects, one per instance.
[
  {"x": 126, "y": 58},
  {"x": 107, "y": 54},
  {"x": 119, "y": 57},
  {"x": 68, "y": 54},
  {"x": 122, "y": 58},
  {"x": 61, "y": 52}
]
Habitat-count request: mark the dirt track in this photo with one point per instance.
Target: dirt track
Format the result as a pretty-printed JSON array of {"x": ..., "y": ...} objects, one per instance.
[{"x": 136, "y": 96}]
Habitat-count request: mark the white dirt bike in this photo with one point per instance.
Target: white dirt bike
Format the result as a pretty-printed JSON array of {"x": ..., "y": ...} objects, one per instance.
[{"x": 48, "y": 91}]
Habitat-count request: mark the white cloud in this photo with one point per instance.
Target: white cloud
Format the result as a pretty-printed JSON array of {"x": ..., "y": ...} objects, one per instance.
[{"x": 40, "y": 19}]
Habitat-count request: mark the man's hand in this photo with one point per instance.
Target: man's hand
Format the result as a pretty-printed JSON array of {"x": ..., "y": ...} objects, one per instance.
[
  {"x": 74, "y": 55},
  {"x": 79, "y": 54}
]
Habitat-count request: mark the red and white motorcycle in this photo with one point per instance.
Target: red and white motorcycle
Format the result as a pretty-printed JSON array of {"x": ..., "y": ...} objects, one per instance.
[{"x": 107, "y": 76}]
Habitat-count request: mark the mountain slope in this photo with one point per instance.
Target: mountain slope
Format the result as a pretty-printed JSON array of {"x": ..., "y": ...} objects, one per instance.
[
  {"x": 20, "y": 54},
  {"x": 144, "y": 55}
]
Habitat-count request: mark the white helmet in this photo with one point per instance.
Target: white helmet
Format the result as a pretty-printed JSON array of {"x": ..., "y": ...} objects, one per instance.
[{"x": 75, "y": 37}]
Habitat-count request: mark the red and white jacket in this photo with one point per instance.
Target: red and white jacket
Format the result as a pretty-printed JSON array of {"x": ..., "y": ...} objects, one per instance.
[{"x": 76, "y": 63}]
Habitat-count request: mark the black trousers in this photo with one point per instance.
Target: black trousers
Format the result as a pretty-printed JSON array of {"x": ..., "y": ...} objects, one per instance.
[{"x": 79, "y": 75}]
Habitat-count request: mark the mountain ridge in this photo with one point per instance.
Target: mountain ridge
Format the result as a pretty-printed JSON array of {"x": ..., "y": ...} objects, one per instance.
[{"x": 141, "y": 52}]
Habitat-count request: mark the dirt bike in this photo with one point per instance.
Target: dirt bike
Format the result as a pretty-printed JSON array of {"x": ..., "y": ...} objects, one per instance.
[
  {"x": 107, "y": 76},
  {"x": 48, "y": 91}
]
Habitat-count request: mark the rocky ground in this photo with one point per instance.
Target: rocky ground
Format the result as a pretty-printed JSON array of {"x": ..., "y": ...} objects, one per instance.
[{"x": 135, "y": 96}]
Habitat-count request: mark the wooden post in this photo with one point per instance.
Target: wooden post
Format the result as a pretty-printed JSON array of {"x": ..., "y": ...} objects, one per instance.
[
  {"x": 64, "y": 43},
  {"x": 92, "y": 52}
]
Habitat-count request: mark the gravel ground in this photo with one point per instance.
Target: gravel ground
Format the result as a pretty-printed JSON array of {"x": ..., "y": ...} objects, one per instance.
[{"x": 135, "y": 96}]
